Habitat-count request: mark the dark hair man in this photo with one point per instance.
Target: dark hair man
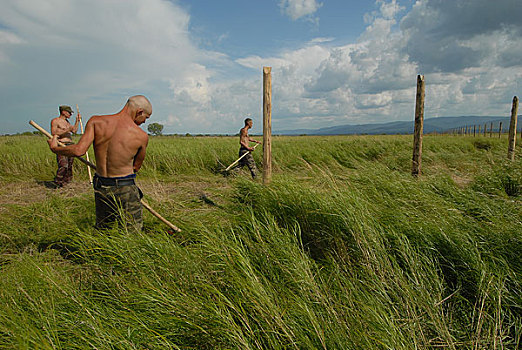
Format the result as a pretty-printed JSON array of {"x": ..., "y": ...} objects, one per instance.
[
  {"x": 61, "y": 127},
  {"x": 244, "y": 140},
  {"x": 119, "y": 147}
]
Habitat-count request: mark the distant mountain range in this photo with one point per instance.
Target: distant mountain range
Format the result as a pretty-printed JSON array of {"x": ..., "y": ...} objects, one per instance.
[{"x": 431, "y": 125}]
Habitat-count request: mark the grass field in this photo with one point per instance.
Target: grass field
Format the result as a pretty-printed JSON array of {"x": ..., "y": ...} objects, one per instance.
[{"x": 344, "y": 250}]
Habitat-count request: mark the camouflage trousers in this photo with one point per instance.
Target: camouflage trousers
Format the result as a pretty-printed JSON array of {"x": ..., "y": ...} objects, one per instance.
[
  {"x": 64, "y": 173},
  {"x": 248, "y": 160},
  {"x": 119, "y": 204}
]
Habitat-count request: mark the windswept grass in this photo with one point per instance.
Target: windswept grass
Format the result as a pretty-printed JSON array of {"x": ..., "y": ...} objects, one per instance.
[{"x": 344, "y": 250}]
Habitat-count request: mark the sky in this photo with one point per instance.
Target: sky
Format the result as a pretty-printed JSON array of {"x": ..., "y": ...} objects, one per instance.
[{"x": 200, "y": 62}]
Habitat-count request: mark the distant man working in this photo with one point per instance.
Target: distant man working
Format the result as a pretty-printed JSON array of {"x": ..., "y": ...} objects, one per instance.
[
  {"x": 244, "y": 140},
  {"x": 61, "y": 127},
  {"x": 119, "y": 148}
]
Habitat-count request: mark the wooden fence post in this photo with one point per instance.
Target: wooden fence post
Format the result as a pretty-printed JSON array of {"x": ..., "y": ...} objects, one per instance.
[
  {"x": 479, "y": 130},
  {"x": 474, "y": 130},
  {"x": 267, "y": 125},
  {"x": 513, "y": 129},
  {"x": 499, "y": 129},
  {"x": 419, "y": 123},
  {"x": 485, "y": 129},
  {"x": 491, "y": 129}
]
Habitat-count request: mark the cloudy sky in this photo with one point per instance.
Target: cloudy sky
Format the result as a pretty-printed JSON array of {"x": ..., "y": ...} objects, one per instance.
[{"x": 200, "y": 62}]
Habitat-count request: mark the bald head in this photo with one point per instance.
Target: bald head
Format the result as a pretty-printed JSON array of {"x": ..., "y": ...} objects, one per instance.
[
  {"x": 138, "y": 108},
  {"x": 139, "y": 102}
]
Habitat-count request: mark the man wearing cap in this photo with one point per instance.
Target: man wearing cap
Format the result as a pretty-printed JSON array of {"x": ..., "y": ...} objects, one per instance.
[{"x": 61, "y": 127}]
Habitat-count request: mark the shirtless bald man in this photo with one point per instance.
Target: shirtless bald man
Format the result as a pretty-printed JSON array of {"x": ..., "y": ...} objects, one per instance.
[
  {"x": 119, "y": 148},
  {"x": 61, "y": 127}
]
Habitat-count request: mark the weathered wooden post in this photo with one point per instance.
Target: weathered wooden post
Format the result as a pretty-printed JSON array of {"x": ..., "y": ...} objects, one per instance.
[
  {"x": 499, "y": 129},
  {"x": 491, "y": 129},
  {"x": 479, "y": 130},
  {"x": 474, "y": 130},
  {"x": 513, "y": 129},
  {"x": 267, "y": 125},
  {"x": 485, "y": 129},
  {"x": 419, "y": 123}
]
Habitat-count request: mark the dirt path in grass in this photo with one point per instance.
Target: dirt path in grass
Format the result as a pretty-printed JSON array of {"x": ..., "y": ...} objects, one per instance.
[{"x": 181, "y": 194}]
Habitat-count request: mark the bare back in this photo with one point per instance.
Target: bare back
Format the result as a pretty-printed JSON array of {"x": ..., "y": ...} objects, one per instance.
[{"x": 119, "y": 145}]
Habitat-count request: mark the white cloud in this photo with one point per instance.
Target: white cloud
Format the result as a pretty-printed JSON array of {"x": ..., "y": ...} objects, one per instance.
[
  {"x": 296, "y": 9},
  {"x": 389, "y": 10},
  {"x": 99, "y": 50},
  {"x": 366, "y": 101},
  {"x": 192, "y": 86},
  {"x": 9, "y": 38},
  {"x": 450, "y": 36},
  {"x": 374, "y": 79},
  {"x": 97, "y": 56},
  {"x": 321, "y": 40}
]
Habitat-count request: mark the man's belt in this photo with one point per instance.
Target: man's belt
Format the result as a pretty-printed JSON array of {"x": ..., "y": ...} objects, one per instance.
[{"x": 114, "y": 181}]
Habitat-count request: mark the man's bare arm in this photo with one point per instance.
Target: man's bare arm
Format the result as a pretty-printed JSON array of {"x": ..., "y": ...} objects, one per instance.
[
  {"x": 252, "y": 140},
  {"x": 140, "y": 156},
  {"x": 78, "y": 149},
  {"x": 74, "y": 128}
]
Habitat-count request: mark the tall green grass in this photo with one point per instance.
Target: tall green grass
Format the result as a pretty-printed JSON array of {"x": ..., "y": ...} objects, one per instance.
[{"x": 344, "y": 250}]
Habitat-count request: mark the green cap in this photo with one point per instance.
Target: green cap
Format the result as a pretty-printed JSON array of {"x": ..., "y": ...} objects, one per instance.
[{"x": 66, "y": 108}]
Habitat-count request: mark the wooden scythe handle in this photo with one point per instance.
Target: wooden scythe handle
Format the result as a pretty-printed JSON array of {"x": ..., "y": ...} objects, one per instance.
[
  {"x": 231, "y": 165},
  {"x": 86, "y": 153},
  {"x": 43, "y": 131}
]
